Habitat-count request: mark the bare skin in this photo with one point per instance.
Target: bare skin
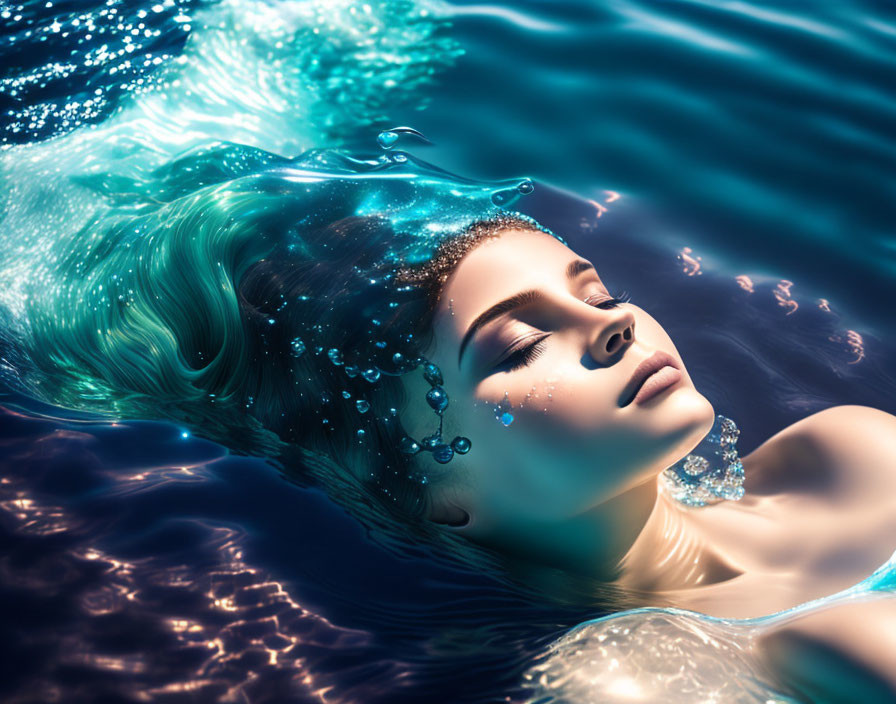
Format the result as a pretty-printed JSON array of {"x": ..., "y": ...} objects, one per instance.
[{"x": 572, "y": 483}]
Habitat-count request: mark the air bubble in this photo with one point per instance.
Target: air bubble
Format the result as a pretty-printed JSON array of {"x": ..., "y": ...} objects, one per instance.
[
  {"x": 387, "y": 138},
  {"x": 297, "y": 347},
  {"x": 442, "y": 453},
  {"x": 437, "y": 399},
  {"x": 461, "y": 445}
]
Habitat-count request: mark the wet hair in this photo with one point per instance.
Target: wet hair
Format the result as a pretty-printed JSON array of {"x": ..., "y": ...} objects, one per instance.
[
  {"x": 332, "y": 398},
  {"x": 217, "y": 311},
  {"x": 234, "y": 308}
]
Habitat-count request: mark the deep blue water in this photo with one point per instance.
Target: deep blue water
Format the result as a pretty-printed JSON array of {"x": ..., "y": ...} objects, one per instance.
[{"x": 732, "y": 165}]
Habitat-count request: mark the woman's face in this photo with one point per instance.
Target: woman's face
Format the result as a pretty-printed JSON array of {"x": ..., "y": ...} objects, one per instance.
[{"x": 563, "y": 356}]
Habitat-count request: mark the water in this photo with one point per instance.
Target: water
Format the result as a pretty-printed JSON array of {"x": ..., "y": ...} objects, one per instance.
[{"x": 729, "y": 165}]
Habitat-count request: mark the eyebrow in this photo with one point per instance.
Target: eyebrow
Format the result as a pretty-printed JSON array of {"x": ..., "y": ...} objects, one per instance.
[{"x": 576, "y": 267}]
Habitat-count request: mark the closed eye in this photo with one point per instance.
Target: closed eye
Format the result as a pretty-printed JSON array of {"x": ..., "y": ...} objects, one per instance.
[
  {"x": 525, "y": 355},
  {"x": 600, "y": 301}
]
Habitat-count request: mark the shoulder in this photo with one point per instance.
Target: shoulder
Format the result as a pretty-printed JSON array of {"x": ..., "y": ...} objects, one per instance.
[
  {"x": 838, "y": 444},
  {"x": 838, "y": 653},
  {"x": 856, "y": 418},
  {"x": 844, "y": 433}
]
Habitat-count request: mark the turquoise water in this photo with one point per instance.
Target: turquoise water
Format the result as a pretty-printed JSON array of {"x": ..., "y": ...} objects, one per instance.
[{"x": 730, "y": 164}]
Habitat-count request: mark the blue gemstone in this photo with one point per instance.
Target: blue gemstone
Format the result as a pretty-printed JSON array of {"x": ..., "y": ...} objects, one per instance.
[
  {"x": 461, "y": 445},
  {"x": 442, "y": 453},
  {"x": 506, "y": 418},
  {"x": 437, "y": 399},
  {"x": 432, "y": 374}
]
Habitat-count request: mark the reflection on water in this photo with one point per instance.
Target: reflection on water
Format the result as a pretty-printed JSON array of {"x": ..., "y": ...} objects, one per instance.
[{"x": 210, "y": 624}]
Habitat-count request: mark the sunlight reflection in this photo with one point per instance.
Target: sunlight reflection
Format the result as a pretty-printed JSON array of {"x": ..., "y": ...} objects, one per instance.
[{"x": 691, "y": 262}]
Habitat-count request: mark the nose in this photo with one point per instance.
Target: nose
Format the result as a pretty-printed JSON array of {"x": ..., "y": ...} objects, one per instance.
[{"x": 615, "y": 332}]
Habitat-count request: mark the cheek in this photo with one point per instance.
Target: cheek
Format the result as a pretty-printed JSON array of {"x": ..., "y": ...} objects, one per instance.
[
  {"x": 555, "y": 393},
  {"x": 541, "y": 466}
]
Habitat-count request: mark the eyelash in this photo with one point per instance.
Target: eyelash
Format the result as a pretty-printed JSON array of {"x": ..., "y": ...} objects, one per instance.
[{"x": 525, "y": 356}]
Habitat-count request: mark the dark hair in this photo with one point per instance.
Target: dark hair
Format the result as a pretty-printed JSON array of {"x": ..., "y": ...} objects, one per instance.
[
  {"x": 349, "y": 312},
  {"x": 258, "y": 311}
]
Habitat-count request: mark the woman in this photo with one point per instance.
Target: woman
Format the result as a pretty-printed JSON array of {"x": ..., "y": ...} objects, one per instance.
[
  {"x": 406, "y": 337},
  {"x": 577, "y": 485}
]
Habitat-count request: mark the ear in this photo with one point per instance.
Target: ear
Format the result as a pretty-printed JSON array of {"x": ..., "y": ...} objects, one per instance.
[{"x": 449, "y": 514}]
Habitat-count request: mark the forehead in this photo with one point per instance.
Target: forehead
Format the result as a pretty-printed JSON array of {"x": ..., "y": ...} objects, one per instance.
[{"x": 500, "y": 267}]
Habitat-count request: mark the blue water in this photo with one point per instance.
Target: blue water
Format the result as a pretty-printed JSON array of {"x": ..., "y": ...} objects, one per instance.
[{"x": 730, "y": 164}]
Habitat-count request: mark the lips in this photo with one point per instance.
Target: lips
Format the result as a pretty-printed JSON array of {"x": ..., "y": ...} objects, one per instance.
[{"x": 645, "y": 371}]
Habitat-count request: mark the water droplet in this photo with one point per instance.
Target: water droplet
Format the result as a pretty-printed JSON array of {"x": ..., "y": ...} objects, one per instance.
[
  {"x": 379, "y": 344},
  {"x": 351, "y": 371},
  {"x": 387, "y": 139},
  {"x": 372, "y": 375},
  {"x": 503, "y": 410},
  {"x": 525, "y": 186},
  {"x": 409, "y": 446},
  {"x": 430, "y": 442},
  {"x": 362, "y": 405},
  {"x": 432, "y": 374},
  {"x": 297, "y": 347},
  {"x": 361, "y": 434},
  {"x": 461, "y": 445},
  {"x": 397, "y": 359},
  {"x": 346, "y": 395},
  {"x": 437, "y": 399},
  {"x": 442, "y": 453},
  {"x": 335, "y": 356}
]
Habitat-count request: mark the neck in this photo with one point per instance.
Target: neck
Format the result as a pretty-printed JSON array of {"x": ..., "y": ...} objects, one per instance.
[
  {"x": 655, "y": 547},
  {"x": 672, "y": 553}
]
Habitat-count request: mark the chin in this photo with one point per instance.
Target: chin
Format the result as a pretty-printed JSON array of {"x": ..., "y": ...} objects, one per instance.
[
  {"x": 701, "y": 417},
  {"x": 686, "y": 419}
]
